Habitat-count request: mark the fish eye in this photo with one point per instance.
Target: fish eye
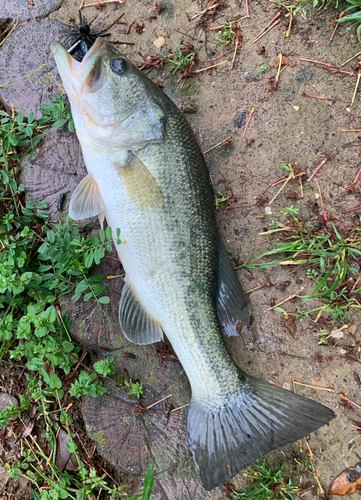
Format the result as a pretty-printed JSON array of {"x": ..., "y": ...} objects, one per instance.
[{"x": 118, "y": 66}]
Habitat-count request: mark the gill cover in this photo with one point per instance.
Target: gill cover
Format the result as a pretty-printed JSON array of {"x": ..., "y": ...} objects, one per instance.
[{"x": 113, "y": 104}]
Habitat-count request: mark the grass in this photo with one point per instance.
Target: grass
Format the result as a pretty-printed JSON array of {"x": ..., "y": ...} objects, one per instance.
[
  {"x": 330, "y": 259},
  {"x": 354, "y": 18},
  {"x": 38, "y": 264},
  {"x": 267, "y": 483}
]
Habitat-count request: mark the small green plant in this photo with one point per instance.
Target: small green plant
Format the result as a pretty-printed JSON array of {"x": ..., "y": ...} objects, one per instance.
[
  {"x": 180, "y": 59},
  {"x": 290, "y": 211},
  {"x": 227, "y": 35},
  {"x": 263, "y": 67},
  {"x": 330, "y": 257},
  {"x": 267, "y": 483},
  {"x": 57, "y": 113}
]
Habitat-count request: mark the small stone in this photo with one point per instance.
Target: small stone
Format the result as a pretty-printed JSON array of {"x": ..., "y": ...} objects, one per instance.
[
  {"x": 159, "y": 42},
  {"x": 286, "y": 386},
  {"x": 268, "y": 210},
  {"x": 7, "y": 400},
  {"x": 296, "y": 108}
]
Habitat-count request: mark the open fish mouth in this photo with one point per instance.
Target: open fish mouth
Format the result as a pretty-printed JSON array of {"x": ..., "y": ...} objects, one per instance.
[{"x": 89, "y": 75}]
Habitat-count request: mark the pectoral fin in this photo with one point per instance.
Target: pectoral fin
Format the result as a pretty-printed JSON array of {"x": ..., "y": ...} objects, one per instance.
[
  {"x": 141, "y": 186},
  {"x": 232, "y": 305},
  {"x": 86, "y": 200},
  {"x": 137, "y": 325}
]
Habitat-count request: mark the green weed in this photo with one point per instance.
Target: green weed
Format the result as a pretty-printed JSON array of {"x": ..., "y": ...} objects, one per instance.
[
  {"x": 180, "y": 59},
  {"x": 226, "y": 35},
  {"x": 267, "y": 483},
  {"x": 39, "y": 263},
  {"x": 330, "y": 259}
]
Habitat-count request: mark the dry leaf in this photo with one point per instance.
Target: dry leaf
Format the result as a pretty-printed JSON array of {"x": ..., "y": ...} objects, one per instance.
[
  {"x": 285, "y": 61},
  {"x": 64, "y": 459},
  {"x": 290, "y": 323},
  {"x": 24, "y": 429},
  {"x": 348, "y": 482}
]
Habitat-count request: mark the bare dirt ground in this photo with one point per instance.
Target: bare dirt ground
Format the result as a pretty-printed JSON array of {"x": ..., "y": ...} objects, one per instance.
[{"x": 286, "y": 127}]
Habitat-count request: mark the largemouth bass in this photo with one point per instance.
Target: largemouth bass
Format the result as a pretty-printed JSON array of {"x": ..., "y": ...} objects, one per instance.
[{"x": 147, "y": 176}]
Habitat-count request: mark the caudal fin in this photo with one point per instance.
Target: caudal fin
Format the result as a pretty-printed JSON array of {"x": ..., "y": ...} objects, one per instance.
[{"x": 248, "y": 424}]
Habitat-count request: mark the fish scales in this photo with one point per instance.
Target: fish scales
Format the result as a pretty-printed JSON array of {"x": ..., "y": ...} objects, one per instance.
[{"x": 147, "y": 176}]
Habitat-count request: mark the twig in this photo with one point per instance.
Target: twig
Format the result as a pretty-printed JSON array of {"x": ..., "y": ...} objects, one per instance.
[
  {"x": 151, "y": 406},
  {"x": 219, "y": 144},
  {"x": 291, "y": 297},
  {"x": 62, "y": 321},
  {"x": 180, "y": 407},
  {"x": 336, "y": 70},
  {"x": 337, "y": 24},
  {"x": 265, "y": 33},
  {"x": 291, "y": 176},
  {"x": 234, "y": 54},
  {"x": 279, "y": 68},
  {"x": 348, "y": 60},
  {"x": 329, "y": 389},
  {"x": 12, "y": 25},
  {"x": 247, "y": 10},
  {"x": 205, "y": 10},
  {"x": 82, "y": 6},
  {"x": 317, "y": 62},
  {"x": 118, "y": 276},
  {"x": 258, "y": 288},
  {"x": 249, "y": 119},
  {"x": 352, "y": 209},
  {"x": 323, "y": 208},
  {"x": 285, "y": 178},
  {"x": 353, "y": 288},
  {"x": 313, "y": 468},
  {"x": 322, "y": 98},
  {"x": 274, "y": 381},
  {"x": 351, "y": 130},
  {"x": 225, "y": 53},
  {"x": 209, "y": 67},
  {"x": 262, "y": 30},
  {"x": 318, "y": 168},
  {"x": 342, "y": 396},
  {"x": 356, "y": 87},
  {"x": 338, "y": 329},
  {"x": 339, "y": 286},
  {"x": 128, "y": 29}
]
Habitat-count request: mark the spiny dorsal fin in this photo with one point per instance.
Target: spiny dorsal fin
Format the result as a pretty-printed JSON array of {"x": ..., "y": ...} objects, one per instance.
[
  {"x": 232, "y": 305},
  {"x": 141, "y": 186},
  {"x": 86, "y": 200},
  {"x": 137, "y": 325}
]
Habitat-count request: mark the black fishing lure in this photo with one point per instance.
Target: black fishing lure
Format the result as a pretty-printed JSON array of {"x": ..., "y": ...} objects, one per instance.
[{"x": 82, "y": 37}]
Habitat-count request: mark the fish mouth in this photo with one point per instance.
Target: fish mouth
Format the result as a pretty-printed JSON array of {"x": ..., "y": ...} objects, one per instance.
[{"x": 88, "y": 75}]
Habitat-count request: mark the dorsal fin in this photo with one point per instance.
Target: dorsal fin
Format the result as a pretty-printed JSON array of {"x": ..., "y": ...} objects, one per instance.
[{"x": 86, "y": 200}]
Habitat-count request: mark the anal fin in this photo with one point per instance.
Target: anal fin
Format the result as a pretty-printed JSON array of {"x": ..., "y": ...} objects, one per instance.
[
  {"x": 136, "y": 323},
  {"x": 86, "y": 200},
  {"x": 232, "y": 305}
]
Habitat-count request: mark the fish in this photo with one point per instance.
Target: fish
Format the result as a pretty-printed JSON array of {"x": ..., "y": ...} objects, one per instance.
[{"x": 148, "y": 178}]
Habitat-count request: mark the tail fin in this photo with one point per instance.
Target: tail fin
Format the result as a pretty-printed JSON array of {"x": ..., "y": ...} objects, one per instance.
[{"x": 250, "y": 423}]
